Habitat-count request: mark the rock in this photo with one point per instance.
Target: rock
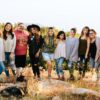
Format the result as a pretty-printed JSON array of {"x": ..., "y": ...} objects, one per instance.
[
  {"x": 53, "y": 85},
  {"x": 56, "y": 98},
  {"x": 47, "y": 87},
  {"x": 84, "y": 91}
]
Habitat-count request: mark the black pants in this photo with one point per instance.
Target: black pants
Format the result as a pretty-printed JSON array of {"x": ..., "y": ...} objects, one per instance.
[
  {"x": 20, "y": 61},
  {"x": 35, "y": 65},
  {"x": 82, "y": 65}
]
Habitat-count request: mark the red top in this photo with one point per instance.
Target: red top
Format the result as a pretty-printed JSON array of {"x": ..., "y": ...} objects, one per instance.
[{"x": 21, "y": 42}]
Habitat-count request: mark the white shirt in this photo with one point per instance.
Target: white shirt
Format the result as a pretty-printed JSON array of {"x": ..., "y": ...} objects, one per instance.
[
  {"x": 2, "y": 56},
  {"x": 60, "y": 50},
  {"x": 10, "y": 44}
]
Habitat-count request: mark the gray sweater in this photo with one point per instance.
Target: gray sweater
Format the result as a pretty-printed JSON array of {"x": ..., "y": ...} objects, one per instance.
[
  {"x": 72, "y": 49},
  {"x": 10, "y": 44}
]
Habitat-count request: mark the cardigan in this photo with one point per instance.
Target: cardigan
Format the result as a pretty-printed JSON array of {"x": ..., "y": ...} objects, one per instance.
[
  {"x": 97, "y": 57},
  {"x": 2, "y": 56},
  {"x": 10, "y": 44},
  {"x": 72, "y": 49}
]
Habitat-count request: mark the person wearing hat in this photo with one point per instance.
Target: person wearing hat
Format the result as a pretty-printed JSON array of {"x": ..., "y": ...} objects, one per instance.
[{"x": 35, "y": 43}]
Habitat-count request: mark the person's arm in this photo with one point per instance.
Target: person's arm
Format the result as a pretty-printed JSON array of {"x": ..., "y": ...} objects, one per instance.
[
  {"x": 98, "y": 49},
  {"x": 88, "y": 47},
  {"x": 14, "y": 44},
  {"x": 13, "y": 48}
]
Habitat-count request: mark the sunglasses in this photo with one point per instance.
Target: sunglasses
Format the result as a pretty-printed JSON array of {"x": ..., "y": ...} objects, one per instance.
[{"x": 91, "y": 33}]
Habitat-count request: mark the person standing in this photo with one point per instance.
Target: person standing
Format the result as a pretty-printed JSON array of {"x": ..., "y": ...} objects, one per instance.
[
  {"x": 83, "y": 51},
  {"x": 2, "y": 57},
  {"x": 9, "y": 46},
  {"x": 72, "y": 44},
  {"x": 49, "y": 48},
  {"x": 94, "y": 53},
  {"x": 60, "y": 54},
  {"x": 35, "y": 43},
  {"x": 21, "y": 45}
]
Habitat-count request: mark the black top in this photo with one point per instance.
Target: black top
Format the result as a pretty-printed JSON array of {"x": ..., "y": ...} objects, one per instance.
[
  {"x": 33, "y": 45},
  {"x": 82, "y": 47},
  {"x": 93, "y": 49}
]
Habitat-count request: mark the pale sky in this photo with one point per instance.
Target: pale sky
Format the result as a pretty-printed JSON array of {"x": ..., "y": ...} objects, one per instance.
[{"x": 63, "y": 14}]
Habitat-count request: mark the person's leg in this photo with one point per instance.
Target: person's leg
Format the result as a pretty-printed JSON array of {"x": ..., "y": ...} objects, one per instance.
[
  {"x": 92, "y": 65},
  {"x": 17, "y": 61},
  {"x": 23, "y": 64},
  {"x": 49, "y": 64},
  {"x": 97, "y": 66},
  {"x": 81, "y": 65},
  {"x": 7, "y": 59},
  {"x": 32, "y": 60},
  {"x": 12, "y": 65},
  {"x": 37, "y": 66},
  {"x": 47, "y": 58},
  {"x": 34, "y": 70},
  {"x": 57, "y": 69},
  {"x": 61, "y": 60},
  {"x": 2, "y": 68},
  {"x": 20, "y": 61},
  {"x": 71, "y": 69},
  {"x": 84, "y": 66}
]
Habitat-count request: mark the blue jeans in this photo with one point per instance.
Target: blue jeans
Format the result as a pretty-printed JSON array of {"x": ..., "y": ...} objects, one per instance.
[
  {"x": 97, "y": 66},
  {"x": 70, "y": 66},
  {"x": 82, "y": 64},
  {"x": 10, "y": 62},
  {"x": 59, "y": 63},
  {"x": 2, "y": 68},
  {"x": 92, "y": 62}
]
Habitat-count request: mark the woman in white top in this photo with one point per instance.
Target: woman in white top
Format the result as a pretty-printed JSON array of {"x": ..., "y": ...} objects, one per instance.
[
  {"x": 60, "y": 54},
  {"x": 9, "y": 46},
  {"x": 2, "y": 57}
]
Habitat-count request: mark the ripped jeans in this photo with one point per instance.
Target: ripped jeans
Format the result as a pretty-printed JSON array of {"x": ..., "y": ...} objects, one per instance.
[
  {"x": 59, "y": 68},
  {"x": 10, "y": 62},
  {"x": 97, "y": 66},
  {"x": 3, "y": 68}
]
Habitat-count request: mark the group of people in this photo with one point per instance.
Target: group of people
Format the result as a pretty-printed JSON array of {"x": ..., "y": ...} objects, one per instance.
[{"x": 16, "y": 42}]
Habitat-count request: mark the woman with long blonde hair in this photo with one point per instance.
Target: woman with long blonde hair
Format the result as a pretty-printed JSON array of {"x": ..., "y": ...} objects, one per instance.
[{"x": 49, "y": 48}]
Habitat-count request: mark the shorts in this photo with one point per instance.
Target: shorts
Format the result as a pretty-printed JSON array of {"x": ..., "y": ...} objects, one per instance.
[{"x": 48, "y": 56}]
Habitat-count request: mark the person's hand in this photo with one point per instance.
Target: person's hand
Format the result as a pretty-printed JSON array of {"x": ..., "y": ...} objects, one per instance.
[
  {"x": 86, "y": 56},
  {"x": 37, "y": 54},
  {"x": 12, "y": 55}
]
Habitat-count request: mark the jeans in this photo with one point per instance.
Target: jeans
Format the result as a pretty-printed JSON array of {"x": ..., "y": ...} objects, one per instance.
[
  {"x": 97, "y": 66},
  {"x": 59, "y": 63},
  {"x": 82, "y": 65},
  {"x": 10, "y": 62},
  {"x": 71, "y": 67},
  {"x": 92, "y": 62},
  {"x": 2, "y": 68}
]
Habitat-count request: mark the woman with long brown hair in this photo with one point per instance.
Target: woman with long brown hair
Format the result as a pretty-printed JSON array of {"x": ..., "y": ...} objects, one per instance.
[
  {"x": 94, "y": 53},
  {"x": 35, "y": 43},
  {"x": 9, "y": 46},
  {"x": 83, "y": 51}
]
